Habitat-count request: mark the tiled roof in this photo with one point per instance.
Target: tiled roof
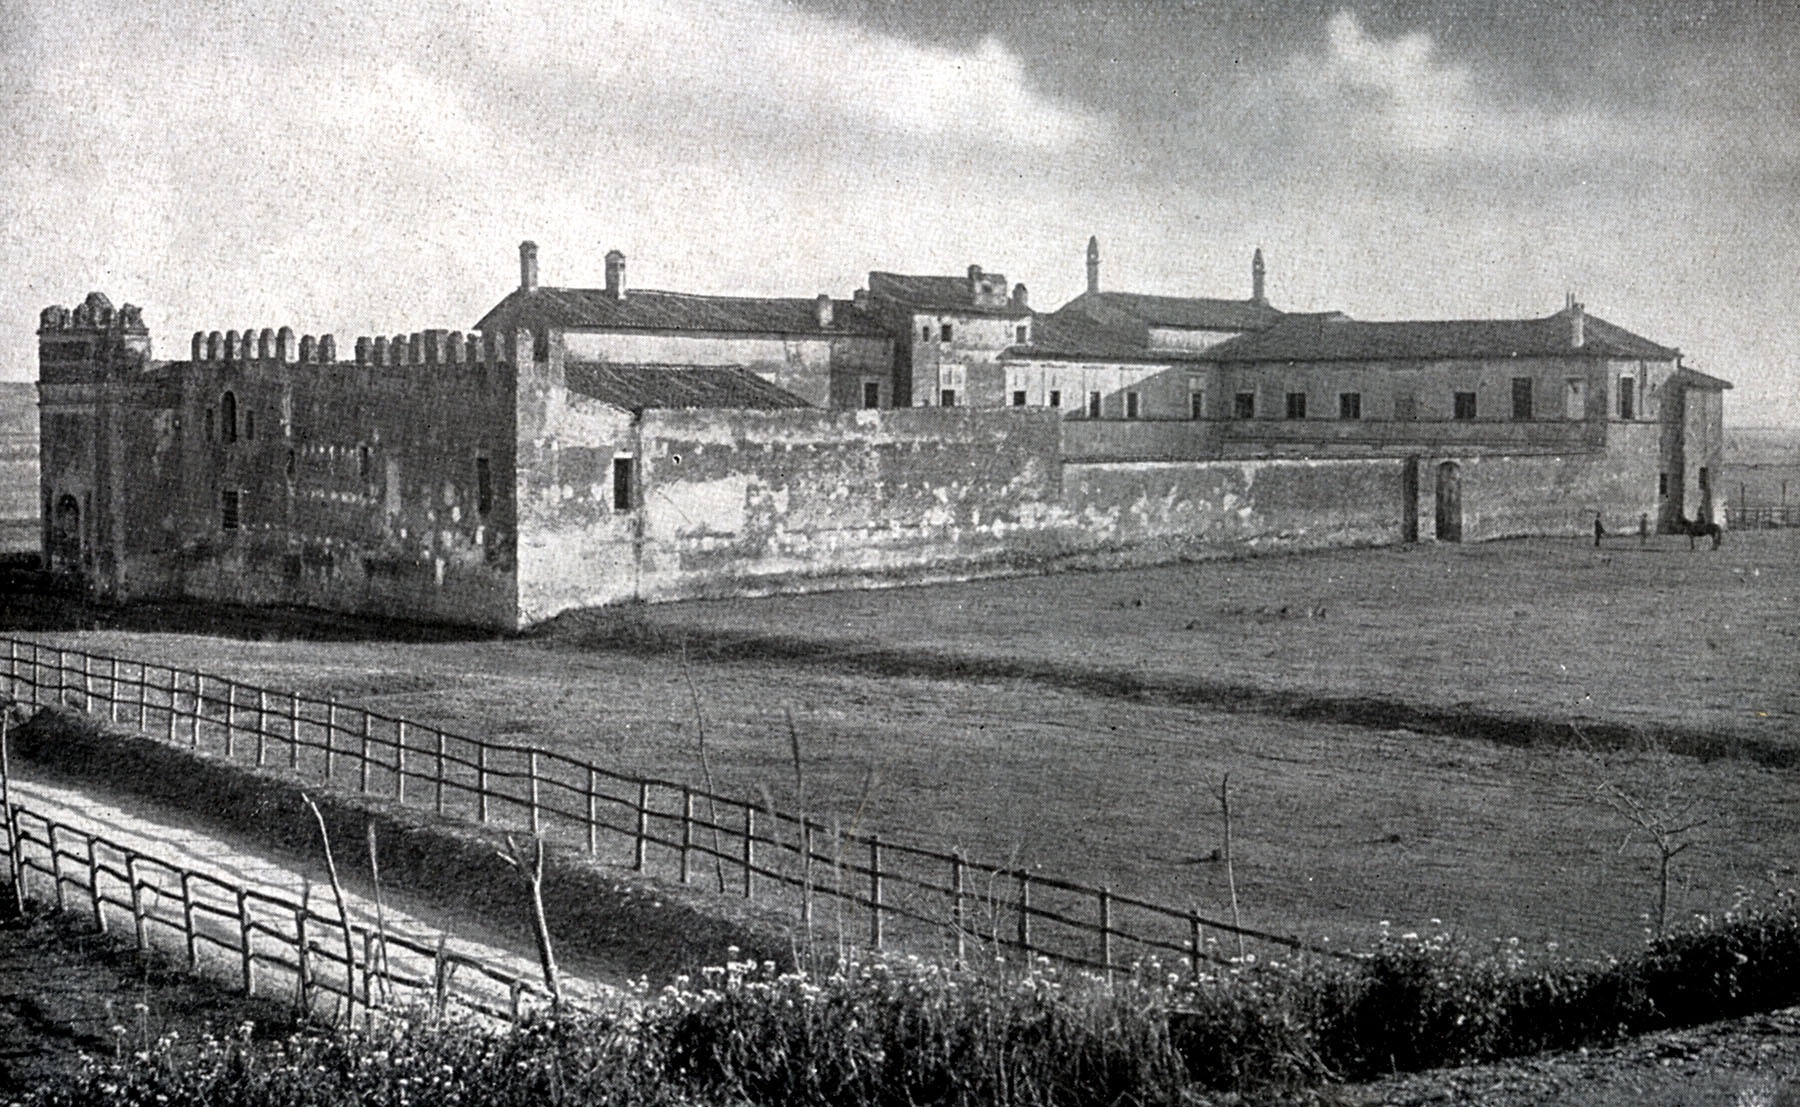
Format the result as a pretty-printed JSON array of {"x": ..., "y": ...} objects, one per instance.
[
  {"x": 1337, "y": 338},
  {"x": 647, "y": 309},
  {"x": 636, "y": 387},
  {"x": 1190, "y": 312},
  {"x": 1070, "y": 334},
  {"x": 1694, "y": 378},
  {"x": 939, "y": 294}
]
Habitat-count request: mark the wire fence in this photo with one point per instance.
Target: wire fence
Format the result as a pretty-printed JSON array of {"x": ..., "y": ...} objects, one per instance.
[
  {"x": 267, "y": 943},
  {"x": 857, "y": 886}
]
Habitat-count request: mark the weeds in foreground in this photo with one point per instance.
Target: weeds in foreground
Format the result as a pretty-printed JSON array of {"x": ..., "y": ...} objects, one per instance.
[{"x": 899, "y": 1031}]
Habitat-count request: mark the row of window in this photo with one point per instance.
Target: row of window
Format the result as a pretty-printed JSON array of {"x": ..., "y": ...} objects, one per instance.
[{"x": 946, "y": 333}]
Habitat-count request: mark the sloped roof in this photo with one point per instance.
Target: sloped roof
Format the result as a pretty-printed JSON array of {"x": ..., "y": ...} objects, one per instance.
[
  {"x": 939, "y": 294},
  {"x": 1070, "y": 334},
  {"x": 648, "y": 309},
  {"x": 1694, "y": 378},
  {"x": 636, "y": 387},
  {"x": 1339, "y": 338},
  {"x": 1189, "y": 312}
]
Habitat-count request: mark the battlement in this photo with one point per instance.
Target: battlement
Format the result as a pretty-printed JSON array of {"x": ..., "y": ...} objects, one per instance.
[
  {"x": 423, "y": 348},
  {"x": 94, "y": 315}
]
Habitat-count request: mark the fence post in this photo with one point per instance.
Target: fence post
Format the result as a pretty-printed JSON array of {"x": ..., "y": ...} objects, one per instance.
[
  {"x": 230, "y": 718},
  {"x": 56, "y": 873},
  {"x": 806, "y": 884},
  {"x": 593, "y": 812},
  {"x": 687, "y": 828},
  {"x": 1194, "y": 939},
  {"x": 187, "y": 921},
  {"x": 172, "y": 712},
  {"x": 262, "y": 726},
  {"x": 303, "y": 972},
  {"x": 87, "y": 682},
  {"x": 531, "y": 774},
  {"x": 749, "y": 851},
  {"x": 875, "y": 890},
  {"x": 249, "y": 954},
  {"x": 112, "y": 689},
  {"x": 143, "y": 694},
  {"x": 1025, "y": 914},
  {"x": 93, "y": 861},
  {"x": 330, "y": 741},
  {"x": 1106, "y": 927},
  {"x": 643, "y": 826},
  {"x": 956, "y": 909},
  {"x": 481, "y": 783},
  {"x": 137, "y": 902},
  {"x": 400, "y": 760},
  {"x": 437, "y": 786},
  {"x": 362, "y": 784},
  {"x": 294, "y": 731},
  {"x": 199, "y": 710}
]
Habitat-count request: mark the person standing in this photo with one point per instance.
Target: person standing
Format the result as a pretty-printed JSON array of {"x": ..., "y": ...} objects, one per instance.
[{"x": 1599, "y": 530}]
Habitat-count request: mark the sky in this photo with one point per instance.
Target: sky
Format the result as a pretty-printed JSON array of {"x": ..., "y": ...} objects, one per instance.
[{"x": 371, "y": 167}]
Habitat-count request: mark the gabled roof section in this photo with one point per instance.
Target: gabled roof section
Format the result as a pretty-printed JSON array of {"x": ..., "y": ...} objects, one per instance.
[
  {"x": 647, "y": 309},
  {"x": 637, "y": 387},
  {"x": 945, "y": 294},
  {"x": 1694, "y": 378},
  {"x": 1339, "y": 338},
  {"x": 1185, "y": 312}
]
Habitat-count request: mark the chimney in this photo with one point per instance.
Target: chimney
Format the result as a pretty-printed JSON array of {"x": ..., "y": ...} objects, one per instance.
[
  {"x": 1256, "y": 278},
  {"x": 528, "y": 267},
  {"x": 861, "y": 299},
  {"x": 615, "y": 275},
  {"x": 974, "y": 280},
  {"x": 1021, "y": 298},
  {"x": 1093, "y": 260},
  {"x": 1577, "y": 325},
  {"x": 824, "y": 310}
]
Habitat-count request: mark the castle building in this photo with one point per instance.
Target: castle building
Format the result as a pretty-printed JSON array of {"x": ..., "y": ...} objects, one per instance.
[{"x": 595, "y": 446}]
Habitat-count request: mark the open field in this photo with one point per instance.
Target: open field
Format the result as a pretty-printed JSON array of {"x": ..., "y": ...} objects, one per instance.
[{"x": 1337, "y": 827}]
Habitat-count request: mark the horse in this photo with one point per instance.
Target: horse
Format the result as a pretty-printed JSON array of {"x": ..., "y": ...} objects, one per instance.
[{"x": 1700, "y": 529}]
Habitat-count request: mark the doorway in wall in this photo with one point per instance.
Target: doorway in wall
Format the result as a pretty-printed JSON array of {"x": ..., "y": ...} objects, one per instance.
[
  {"x": 65, "y": 536},
  {"x": 1409, "y": 501},
  {"x": 1449, "y": 502}
]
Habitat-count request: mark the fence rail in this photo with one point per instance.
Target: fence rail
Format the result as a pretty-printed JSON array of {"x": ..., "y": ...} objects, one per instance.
[
  {"x": 264, "y": 941},
  {"x": 862, "y": 887},
  {"x": 1755, "y": 518}
]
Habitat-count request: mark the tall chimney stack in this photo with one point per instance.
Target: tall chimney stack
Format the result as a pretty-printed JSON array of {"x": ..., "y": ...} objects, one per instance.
[
  {"x": 825, "y": 310},
  {"x": 528, "y": 267},
  {"x": 1577, "y": 324},
  {"x": 1257, "y": 273},
  {"x": 1093, "y": 260},
  {"x": 615, "y": 274}
]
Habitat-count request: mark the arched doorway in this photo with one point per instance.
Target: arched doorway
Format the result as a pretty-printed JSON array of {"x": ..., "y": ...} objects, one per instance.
[
  {"x": 65, "y": 536},
  {"x": 1449, "y": 502}
]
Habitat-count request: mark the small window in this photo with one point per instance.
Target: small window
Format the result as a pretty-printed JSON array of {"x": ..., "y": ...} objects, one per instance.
[
  {"x": 1349, "y": 405},
  {"x": 1406, "y": 408},
  {"x": 1627, "y": 398},
  {"x": 230, "y": 509},
  {"x": 228, "y": 424},
  {"x": 1196, "y": 405},
  {"x": 1018, "y": 397},
  {"x": 1131, "y": 405},
  {"x": 947, "y": 397},
  {"x": 1464, "y": 405},
  {"x": 540, "y": 347},
  {"x": 1243, "y": 405},
  {"x": 946, "y": 332},
  {"x": 362, "y": 461},
  {"x": 1705, "y": 480},
  {"x": 249, "y": 424},
  {"x": 871, "y": 394},
  {"x": 1521, "y": 397},
  {"x": 1296, "y": 405},
  {"x": 1093, "y": 405},
  {"x": 1662, "y": 485},
  {"x": 1055, "y": 397},
  {"x": 484, "y": 486},
  {"x": 211, "y": 432},
  {"x": 623, "y": 498},
  {"x": 925, "y": 333},
  {"x": 1024, "y": 335}
]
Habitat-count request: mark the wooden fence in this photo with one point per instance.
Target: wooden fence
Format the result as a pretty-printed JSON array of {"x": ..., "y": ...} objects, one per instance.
[
  {"x": 1756, "y": 518},
  {"x": 266, "y": 942},
  {"x": 853, "y": 886}
]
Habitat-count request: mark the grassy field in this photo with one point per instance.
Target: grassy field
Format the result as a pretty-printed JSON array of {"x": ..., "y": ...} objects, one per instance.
[{"x": 1337, "y": 827}]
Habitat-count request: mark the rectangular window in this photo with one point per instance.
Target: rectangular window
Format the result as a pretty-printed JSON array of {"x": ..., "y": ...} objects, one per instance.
[
  {"x": 362, "y": 461},
  {"x": 946, "y": 332},
  {"x": 1705, "y": 480},
  {"x": 1131, "y": 405},
  {"x": 484, "y": 486},
  {"x": 1349, "y": 405},
  {"x": 1662, "y": 485},
  {"x": 624, "y": 498},
  {"x": 947, "y": 397},
  {"x": 1627, "y": 398},
  {"x": 1243, "y": 405},
  {"x": 230, "y": 509},
  {"x": 1406, "y": 408},
  {"x": 1024, "y": 335},
  {"x": 1296, "y": 405},
  {"x": 1018, "y": 397},
  {"x": 1521, "y": 399},
  {"x": 1575, "y": 400},
  {"x": 871, "y": 394},
  {"x": 1093, "y": 405},
  {"x": 925, "y": 333},
  {"x": 1055, "y": 397},
  {"x": 1196, "y": 405},
  {"x": 1465, "y": 405}
]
